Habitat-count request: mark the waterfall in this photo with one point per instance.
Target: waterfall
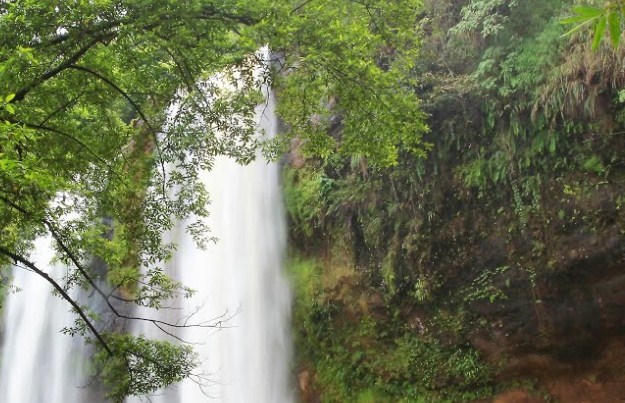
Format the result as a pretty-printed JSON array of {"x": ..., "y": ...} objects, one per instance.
[
  {"x": 39, "y": 363},
  {"x": 240, "y": 287},
  {"x": 238, "y": 279}
]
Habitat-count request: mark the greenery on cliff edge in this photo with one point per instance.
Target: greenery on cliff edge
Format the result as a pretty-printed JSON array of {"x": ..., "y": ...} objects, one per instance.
[{"x": 491, "y": 249}]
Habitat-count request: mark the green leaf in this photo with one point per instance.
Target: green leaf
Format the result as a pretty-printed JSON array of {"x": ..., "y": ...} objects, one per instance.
[
  {"x": 575, "y": 19},
  {"x": 599, "y": 29},
  {"x": 9, "y": 98},
  {"x": 614, "y": 26},
  {"x": 10, "y": 108},
  {"x": 596, "y": 16},
  {"x": 588, "y": 11},
  {"x": 578, "y": 27}
]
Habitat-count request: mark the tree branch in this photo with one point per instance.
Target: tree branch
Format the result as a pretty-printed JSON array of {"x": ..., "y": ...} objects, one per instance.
[
  {"x": 64, "y": 106},
  {"x": 17, "y": 258},
  {"x": 66, "y": 135},
  {"x": 136, "y": 107},
  {"x": 302, "y": 5},
  {"x": 84, "y": 272},
  {"x": 21, "y": 93}
]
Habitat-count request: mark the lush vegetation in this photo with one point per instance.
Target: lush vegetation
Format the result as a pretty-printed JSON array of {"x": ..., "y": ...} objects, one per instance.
[
  {"x": 471, "y": 253},
  {"x": 364, "y": 351},
  {"x": 451, "y": 163},
  {"x": 91, "y": 155}
]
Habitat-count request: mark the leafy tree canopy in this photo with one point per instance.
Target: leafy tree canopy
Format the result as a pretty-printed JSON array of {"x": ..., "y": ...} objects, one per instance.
[{"x": 91, "y": 154}]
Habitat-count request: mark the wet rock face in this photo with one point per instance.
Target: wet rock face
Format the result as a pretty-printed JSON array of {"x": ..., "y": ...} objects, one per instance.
[
  {"x": 582, "y": 293},
  {"x": 566, "y": 326},
  {"x": 557, "y": 313},
  {"x": 553, "y": 305},
  {"x": 569, "y": 307},
  {"x": 562, "y": 323}
]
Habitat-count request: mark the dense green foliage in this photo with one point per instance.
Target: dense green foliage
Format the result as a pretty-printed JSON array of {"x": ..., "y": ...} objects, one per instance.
[
  {"x": 362, "y": 74},
  {"x": 360, "y": 355},
  {"x": 91, "y": 155},
  {"x": 477, "y": 241},
  {"x": 442, "y": 227}
]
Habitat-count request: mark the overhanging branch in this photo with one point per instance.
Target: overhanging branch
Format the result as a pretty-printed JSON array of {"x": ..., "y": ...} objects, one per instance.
[
  {"x": 17, "y": 258},
  {"x": 84, "y": 272},
  {"x": 127, "y": 97},
  {"x": 21, "y": 93},
  {"x": 66, "y": 135}
]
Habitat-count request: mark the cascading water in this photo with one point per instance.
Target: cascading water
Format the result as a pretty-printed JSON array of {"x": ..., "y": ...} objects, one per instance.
[
  {"x": 238, "y": 280},
  {"x": 249, "y": 359},
  {"x": 40, "y": 364}
]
